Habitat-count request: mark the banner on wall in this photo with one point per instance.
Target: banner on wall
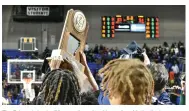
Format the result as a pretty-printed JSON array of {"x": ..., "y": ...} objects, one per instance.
[{"x": 38, "y": 11}]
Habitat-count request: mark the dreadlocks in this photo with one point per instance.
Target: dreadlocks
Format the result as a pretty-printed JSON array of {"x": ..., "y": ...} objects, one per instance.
[
  {"x": 128, "y": 78},
  {"x": 59, "y": 87}
]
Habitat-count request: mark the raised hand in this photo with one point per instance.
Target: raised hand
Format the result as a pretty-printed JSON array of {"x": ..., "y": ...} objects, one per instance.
[
  {"x": 55, "y": 62},
  {"x": 88, "y": 72},
  {"x": 146, "y": 59}
]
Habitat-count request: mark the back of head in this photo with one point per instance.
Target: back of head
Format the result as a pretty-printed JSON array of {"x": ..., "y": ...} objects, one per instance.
[
  {"x": 89, "y": 98},
  {"x": 59, "y": 87},
  {"x": 160, "y": 75},
  {"x": 128, "y": 79}
]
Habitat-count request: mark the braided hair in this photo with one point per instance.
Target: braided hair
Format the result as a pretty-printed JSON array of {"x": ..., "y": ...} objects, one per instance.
[{"x": 59, "y": 87}]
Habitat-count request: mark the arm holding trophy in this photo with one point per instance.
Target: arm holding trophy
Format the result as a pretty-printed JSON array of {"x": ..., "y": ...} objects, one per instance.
[{"x": 69, "y": 54}]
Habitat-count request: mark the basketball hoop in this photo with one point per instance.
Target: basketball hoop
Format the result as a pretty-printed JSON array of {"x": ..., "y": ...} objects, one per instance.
[{"x": 27, "y": 81}]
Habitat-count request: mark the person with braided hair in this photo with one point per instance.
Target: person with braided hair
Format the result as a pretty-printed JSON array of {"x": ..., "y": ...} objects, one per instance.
[
  {"x": 59, "y": 87},
  {"x": 126, "y": 82},
  {"x": 65, "y": 87}
]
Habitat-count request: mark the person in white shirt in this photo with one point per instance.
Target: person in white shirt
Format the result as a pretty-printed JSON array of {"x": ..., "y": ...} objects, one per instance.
[
  {"x": 176, "y": 50},
  {"x": 175, "y": 68}
]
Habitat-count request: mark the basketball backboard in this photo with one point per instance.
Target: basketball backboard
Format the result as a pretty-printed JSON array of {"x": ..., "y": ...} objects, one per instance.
[
  {"x": 26, "y": 72},
  {"x": 15, "y": 68}
]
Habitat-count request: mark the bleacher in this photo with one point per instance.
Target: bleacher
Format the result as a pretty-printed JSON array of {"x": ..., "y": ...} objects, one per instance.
[
  {"x": 14, "y": 53},
  {"x": 94, "y": 66},
  {"x": 4, "y": 65}
]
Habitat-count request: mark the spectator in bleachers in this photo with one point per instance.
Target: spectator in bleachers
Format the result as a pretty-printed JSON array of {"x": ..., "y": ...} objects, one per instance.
[
  {"x": 183, "y": 94},
  {"x": 96, "y": 49},
  {"x": 171, "y": 77},
  {"x": 4, "y": 86},
  {"x": 176, "y": 50},
  {"x": 46, "y": 51},
  {"x": 23, "y": 96},
  {"x": 9, "y": 97},
  {"x": 160, "y": 76},
  {"x": 172, "y": 48},
  {"x": 158, "y": 54},
  {"x": 45, "y": 68},
  {"x": 4, "y": 57},
  {"x": 182, "y": 50},
  {"x": 175, "y": 67},
  {"x": 4, "y": 75},
  {"x": 165, "y": 45},
  {"x": 117, "y": 52},
  {"x": 101, "y": 48}
]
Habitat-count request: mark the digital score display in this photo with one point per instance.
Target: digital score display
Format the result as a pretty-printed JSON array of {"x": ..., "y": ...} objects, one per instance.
[
  {"x": 135, "y": 24},
  {"x": 130, "y": 19},
  {"x": 152, "y": 27},
  {"x": 108, "y": 27}
]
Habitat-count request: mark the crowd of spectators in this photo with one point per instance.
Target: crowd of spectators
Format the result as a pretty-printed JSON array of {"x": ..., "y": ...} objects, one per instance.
[
  {"x": 159, "y": 54},
  {"x": 170, "y": 56},
  {"x": 101, "y": 54}
]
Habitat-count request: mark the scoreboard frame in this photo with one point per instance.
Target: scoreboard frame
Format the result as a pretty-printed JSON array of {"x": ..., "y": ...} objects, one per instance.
[{"x": 118, "y": 23}]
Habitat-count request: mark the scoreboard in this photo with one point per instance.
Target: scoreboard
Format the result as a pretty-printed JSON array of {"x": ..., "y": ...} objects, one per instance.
[
  {"x": 108, "y": 26},
  {"x": 136, "y": 24},
  {"x": 152, "y": 27}
]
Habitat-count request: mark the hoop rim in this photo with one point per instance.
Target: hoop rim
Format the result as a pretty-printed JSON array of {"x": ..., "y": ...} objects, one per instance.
[{"x": 27, "y": 80}]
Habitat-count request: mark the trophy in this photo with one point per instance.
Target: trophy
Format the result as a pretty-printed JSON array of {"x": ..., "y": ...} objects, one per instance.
[{"x": 72, "y": 40}]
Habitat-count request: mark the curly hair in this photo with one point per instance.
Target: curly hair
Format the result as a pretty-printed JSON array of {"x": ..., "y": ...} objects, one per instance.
[
  {"x": 59, "y": 87},
  {"x": 89, "y": 98},
  {"x": 160, "y": 75},
  {"x": 130, "y": 79}
]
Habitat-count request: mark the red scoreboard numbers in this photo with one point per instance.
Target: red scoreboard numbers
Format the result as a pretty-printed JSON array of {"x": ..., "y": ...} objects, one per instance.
[
  {"x": 141, "y": 19},
  {"x": 119, "y": 19},
  {"x": 130, "y": 19}
]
